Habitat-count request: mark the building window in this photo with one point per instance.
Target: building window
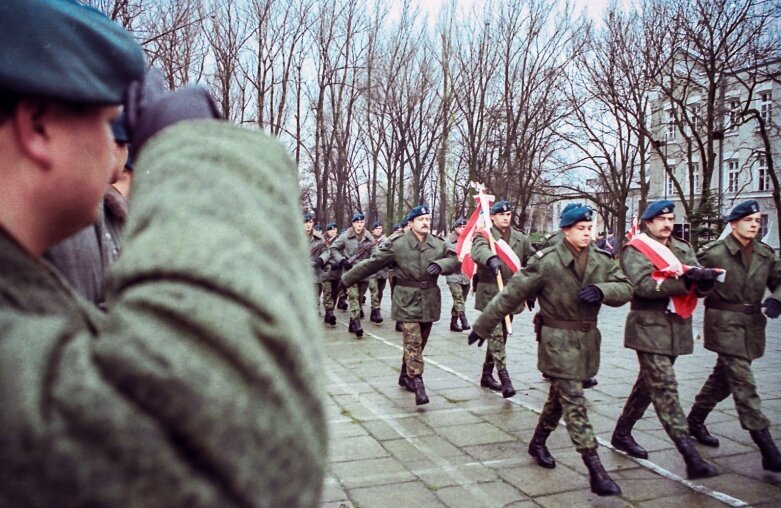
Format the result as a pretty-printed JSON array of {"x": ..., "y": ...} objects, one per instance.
[
  {"x": 669, "y": 133},
  {"x": 733, "y": 115},
  {"x": 766, "y": 107},
  {"x": 694, "y": 116},
  {"x": 764, "y": 229},
  {"x": 732, "y": 176},
  {"x": 763, "y": 177},
  {"x": 669, "y": 188},
  {"x": 695, "y": 177}
]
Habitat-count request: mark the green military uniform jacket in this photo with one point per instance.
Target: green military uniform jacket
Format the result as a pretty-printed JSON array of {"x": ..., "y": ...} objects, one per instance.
[
  {"x": 201, "y": 385},
  {"x": 658, "y": 330},
  {"x": 347, "y": 245},
  {"x": 737, "y": 333},
  {"x": 486, "y": 279},
  {"x": 409, "y": 259},
  {"x": 458, "y": 277},
  {"x": 381, "y": 274},
  {"x": 318, "y": 249},
  {"x": 552, "y": 278},
  {"x": 551, "y": 239}
]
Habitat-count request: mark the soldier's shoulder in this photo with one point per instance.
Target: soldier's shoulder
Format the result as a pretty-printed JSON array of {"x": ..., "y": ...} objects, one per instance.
[
  {"x": 765, "y": 247},
  {"x": 540, "y": 254},
  {"x": 599, "y": 250},
  {"x": 711, "y": 245},
  {"x": 681, "y": 241}
]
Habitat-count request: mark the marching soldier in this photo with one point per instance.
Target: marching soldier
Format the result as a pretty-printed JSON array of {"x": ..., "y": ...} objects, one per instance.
[
  {"x": 735, "y": 328},
  {"x": 418, "y": 258},
  {"x": 398, "y": 230},
  {"x": 459, "y": 286},
  {"x": 377, "y": 280},
  {"x": 571, "y": 281},
  {"x": 319, "y": 253},
  {"x": 353, "y": 245},
  {"x": 329, "y": 282},
  {"x": 658, "y": 335},
  {"x": 488, "y": 267}
]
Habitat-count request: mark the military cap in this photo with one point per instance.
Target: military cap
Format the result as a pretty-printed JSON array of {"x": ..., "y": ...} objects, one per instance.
[
  {"x": 118, "y": 127},
  {"x": 396, "y": 226},
  {"x": 418, "y": 211},
  {"x": 318, "y": 227},
  {"x": 574, "y": 215},
  {"x": 569, "y": 207},
  {"x": 459, "y": 222},
  {"x": 376, "y": 224},
  {"x": 358, "y": 216},
  {"x": 308, "y": 217},
  {"x": 501, "y": 207},
  {"x": 657, "y": 208},
  {"x": 742, "y": 209},
  {"x": 330, "y": 226},
  {"x": 64, "y": 50}
]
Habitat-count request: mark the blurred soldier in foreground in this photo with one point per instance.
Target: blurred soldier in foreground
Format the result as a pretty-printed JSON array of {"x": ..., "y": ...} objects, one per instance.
[
  {"x": 419, "y": 258},
  {"x": 571, "y": 281},
  {"x": 378, "y": 279},
  {"x": 735, "y": 328},
  {"x": 198, "y": 387},
  {"x": 659, "y": 328}
]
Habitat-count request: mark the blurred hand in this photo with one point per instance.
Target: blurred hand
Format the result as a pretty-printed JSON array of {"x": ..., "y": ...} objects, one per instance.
[
  {"x": 772, "y": 308},
  {"x": 530, "y": 304},
  {"x": 433, "y": 269},
  {"x": 493, "y": 264},
  {"x": 345, "y": 263},
  {"x": 318, "y": 263},
  {"x": 473, "y": 337},
  {"x": 590, "y": 294},
  {"x": 696, "y": 273}
]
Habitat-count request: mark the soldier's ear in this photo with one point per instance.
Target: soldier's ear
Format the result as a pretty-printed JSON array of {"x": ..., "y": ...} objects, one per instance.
[{"x": 31, "y": 125}]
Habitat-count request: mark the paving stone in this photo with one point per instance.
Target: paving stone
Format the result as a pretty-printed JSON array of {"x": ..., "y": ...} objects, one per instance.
[
  {"x": 454, "y": 473},
  {"x": 481, "y": 495},
  {"x": 365, "y": 473},
  {"x": 422, "y": 448},
  {"x": 479, "y": 433},
  {"x": 581, "y": 497},
  {"x": 395, "y": 496},
  {"x": 395, "y": 428},
  {"x": 355, "y": 448},
  {"x": 535, "y": 481}
]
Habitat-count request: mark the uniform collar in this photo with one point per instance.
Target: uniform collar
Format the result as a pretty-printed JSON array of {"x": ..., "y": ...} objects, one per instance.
[{"x": 734, "y": 246}]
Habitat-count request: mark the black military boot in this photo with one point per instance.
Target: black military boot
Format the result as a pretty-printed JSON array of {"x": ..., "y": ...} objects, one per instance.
[
  {"x": 601, "y": 483},
  {"x": 404, "y": 380},
  {"x": 362, "y": 316},
  {"x": 464, "y": 322},
  {"x": 697, "y": 428},
  {"x": 590, "y": 383},
  {"x": 539, "y": 451},
  {"x": 398, "y": 326},
  {"x": 507, "y": 385},
  {"x": 487, "y": 379},
  {"x": 341, "y": 304},
  {"x": 355, "y": 327},
  {"x": 622, "y": 439},
  {"x": 420, "y": 390},
  {"x": 329, "y": 317},
  {"x": 696, "y": 467},
  {"x": 454, "y": 327},
  {"x": 375, "y": 316},
  {"x": 771, "y": 459}
]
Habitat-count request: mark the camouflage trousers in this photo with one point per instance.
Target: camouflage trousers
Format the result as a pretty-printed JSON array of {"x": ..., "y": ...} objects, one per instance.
[
  {"x": 355, "y": 295},
  {"x": 566, "y": 398},
  {"x": 496, "y": 343},
  {"x": 732, "y": 375},
  {"x": 329, "y": 298},
  {"x": 415, "y": 340},
  {"x": 376, "y": 288},
  {"x": 656, "y": 383},
  {"x": 459, "y": 292}
]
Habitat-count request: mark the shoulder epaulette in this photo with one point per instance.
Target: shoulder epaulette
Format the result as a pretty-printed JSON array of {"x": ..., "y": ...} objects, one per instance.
[
  {"x": 766, "y": 246},
  {"x": 542, "y": 252},
  {"x": 603, "y": 251}
]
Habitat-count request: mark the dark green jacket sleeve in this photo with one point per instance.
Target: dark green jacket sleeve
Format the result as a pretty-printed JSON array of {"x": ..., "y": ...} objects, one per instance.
[
  {"x": 381, "y": 258},
  {"x": 617, "y": 289},
  {"x": 202, "y": 387},
  {"x": 522, "y": 286}
]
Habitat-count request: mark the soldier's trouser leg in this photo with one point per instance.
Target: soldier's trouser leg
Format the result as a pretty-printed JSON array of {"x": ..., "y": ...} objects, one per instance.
[
  {"x": 318, "y": 292},
  {"x": 377, "y": 297},
  {"x": 733, "y": 375},
  {"x": 566, "y": 399},
  {"x": 329, "y": 302},
  {"x": 496, "y": 343},
  {"x": 415, "y": 340},
  {"x": 354, "y": 295},
  {"x": 656, "y": 383},
  {"x": 373, "y": 290},
  {"x": 458, "y": 298}
]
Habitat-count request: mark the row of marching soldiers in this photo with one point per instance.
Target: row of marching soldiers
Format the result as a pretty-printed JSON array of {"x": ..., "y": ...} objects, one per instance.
[{"x": 571, "y": 278}]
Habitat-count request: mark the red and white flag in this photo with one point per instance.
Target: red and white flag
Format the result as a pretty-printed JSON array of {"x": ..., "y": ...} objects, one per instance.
[
  {"x": 634, "y": 229},
  {"x": 464, "y": 245}
]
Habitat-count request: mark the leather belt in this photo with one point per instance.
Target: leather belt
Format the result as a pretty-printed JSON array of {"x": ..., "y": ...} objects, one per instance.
[
  {"x": 581, "y": 326},
  {"x": 746, "y": 308},
  {"x": 426, "y": 284},
  {"x": 658, "y": 304}
]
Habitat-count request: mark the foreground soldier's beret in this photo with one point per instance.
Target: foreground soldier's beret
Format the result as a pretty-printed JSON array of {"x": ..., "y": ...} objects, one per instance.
[
  {"x": 64, "y": 50},
  {"x": 330, "y": 226},
  {"x": 574, "y": 215},
  {"x": 501, "y": 207},
  {"x": 358, "y": 216},
  {"x": 308, "y": 216},
  {"x": 657, "y": 208},
  {"x": 376, "y": 224},
  {"x": 570, "y": 207},
  {"x": 418, "y": 211},
  {"x": 743, "y": 209},
  {"x": 459, "y": 222}
]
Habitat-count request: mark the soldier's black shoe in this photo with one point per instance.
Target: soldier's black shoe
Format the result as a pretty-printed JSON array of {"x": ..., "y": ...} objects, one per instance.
[
  {"x": 454, "y": 326},
  {"x": 545, "y": 376},
  {"x": 350, "y": 326},
  {"x": 464, "y": 322},
  {"x": 771, "y": 458},
  {"x": 622, "y": 439},
  {"x": 398, "y": 326},
  {"x": 375, "y": 316},
  {"x": 697, "y": 428},
  {"x": 539, "y": 451},
  {"x": 341, "y": 304},
  {"x": 590, "y": 383},
  {"x": 420, "y": 391},
  {"x": 696, "y": 467},
  {"x": 362, "y": 316},
  {"x": 507, "y": 385},
  {"x": 601, "y": 483},
  {"x": 404, "y": 380},
  {"x": 487, "y": 379},
  {"x": 329, "y": 317},
  {"x": 357, "y": 329}
]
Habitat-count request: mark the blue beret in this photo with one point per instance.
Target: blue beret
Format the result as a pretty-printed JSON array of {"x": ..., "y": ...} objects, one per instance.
[
  {"x": 396, "y": 226},
  {"x": 570, "y": 206},
  {"x": 742, "y": 209},
  {"x": 308, "y": 216},
  {"x": 459, "y": 222},
  {"x": 376, "y": 224},
  {"x": 657, "y": 208},
  {"x": 501, "y": 207},
  {"x": 574, "y": 215},
  {"x": 330, "y": 226},
  {"x": 318, "y": 227},
  {"x": 358, "y": 216},
  {"x": 418, "y": 211},
  {"x": 64, "y": 50},
  {"x": 118, "y": 127}
]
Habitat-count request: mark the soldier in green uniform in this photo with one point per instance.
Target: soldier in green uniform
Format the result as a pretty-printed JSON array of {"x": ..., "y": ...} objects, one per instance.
[
  {"x": 659, "y": 336},
  {"x": 196, "y": 387},
  {"x": 353, "y": 245},
  {"x": 571, "y": 281},
  {"x": 398, "y": 230},
  {"x": 554, "y": 238},
  {"x": 735, "y": 328},
  {"x": 418, "y": 258},
  {"x": 377, "y": 280},
  {"x": 329, "y": 282},
  {"x": 459, "y": 286},
  {"x": 488, "y": 267},
  {"x": 318, "y": 252}
]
